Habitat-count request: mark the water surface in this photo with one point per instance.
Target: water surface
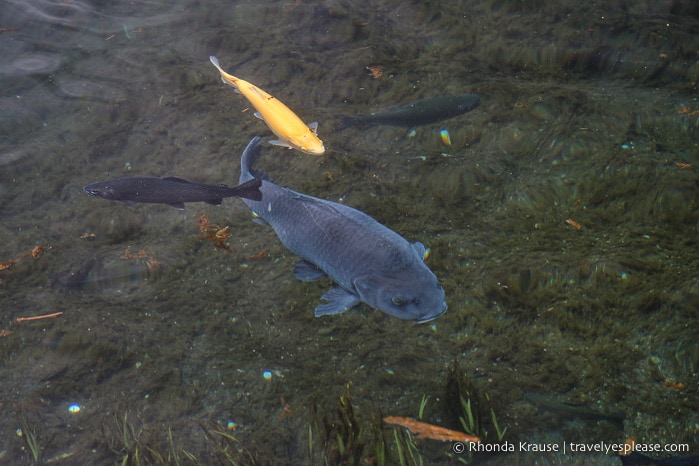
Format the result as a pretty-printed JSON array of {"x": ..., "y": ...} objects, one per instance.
[{"x": 562, "y": 222}]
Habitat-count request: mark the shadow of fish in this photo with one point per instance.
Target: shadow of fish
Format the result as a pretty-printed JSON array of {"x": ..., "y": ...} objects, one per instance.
[
  {"x": 369, "y": 262},
  {"x": 579, "y": 411},
  {"x": 171, "y": 190},
  {"x": 420, "y": 112},
  {"x": 110, "y": 276}
]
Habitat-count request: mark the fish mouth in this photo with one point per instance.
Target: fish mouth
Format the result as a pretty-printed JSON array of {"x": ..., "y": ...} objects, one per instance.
[
  {"x": 317, "y": 151},
  {"x": 98, "y": 192},
  {"x": 430, "y": 317}
]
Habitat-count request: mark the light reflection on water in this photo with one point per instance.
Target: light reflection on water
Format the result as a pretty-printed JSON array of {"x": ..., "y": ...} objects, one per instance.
[
  {"x": 32, "y": 64},
  {"x": 56, "y": 51},
  {"x": 590, "y": 118}
]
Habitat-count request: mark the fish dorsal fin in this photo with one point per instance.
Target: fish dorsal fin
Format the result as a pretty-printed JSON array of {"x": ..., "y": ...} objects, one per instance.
[
  {"x": 419, "y": 248},
  {"x": 313, "y": 127},
  {"x": 176, "y": 179}
]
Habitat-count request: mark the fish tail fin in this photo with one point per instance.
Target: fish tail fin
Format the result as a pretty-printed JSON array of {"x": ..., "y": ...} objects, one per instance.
[
  {"x": 248, "y": 159},
  {"x": 214, "y": 61},
  {"x": 225, "y": 77},
  {"x": 250, "y": 189}
]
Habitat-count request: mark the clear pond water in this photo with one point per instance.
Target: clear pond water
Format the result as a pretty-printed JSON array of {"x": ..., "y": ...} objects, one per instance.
[{"x": 561, "y": 221}]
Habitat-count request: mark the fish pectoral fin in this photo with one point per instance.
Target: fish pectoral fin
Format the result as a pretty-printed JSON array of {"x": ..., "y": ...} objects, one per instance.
[
  {"x": 340, "y": 301},
  {"x": 215, "y": 201},
  {"x": 257, "y": 115},
  {"x": 259, "y": 220},
  {"x": 313, "y": 127},
  {"x": 177, "y": 205},
  {"x": 235, "y": 88},
  {"x": 277, "y": 142},
  {"x": 306, "y": 271},
  {"x": 419, "y": 248},
  {"x": 365, "y": 285}
]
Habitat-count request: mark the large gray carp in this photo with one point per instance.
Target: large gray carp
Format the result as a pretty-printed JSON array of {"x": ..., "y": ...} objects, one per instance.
[{"x": 369, "y": 262}]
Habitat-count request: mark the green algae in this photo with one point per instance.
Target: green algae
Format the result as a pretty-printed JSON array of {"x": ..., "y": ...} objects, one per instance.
[{"x": 583, "y": 120}]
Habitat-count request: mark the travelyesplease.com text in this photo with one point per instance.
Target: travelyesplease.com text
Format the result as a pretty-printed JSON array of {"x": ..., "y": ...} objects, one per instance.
[{"x": 571, "y": 447}]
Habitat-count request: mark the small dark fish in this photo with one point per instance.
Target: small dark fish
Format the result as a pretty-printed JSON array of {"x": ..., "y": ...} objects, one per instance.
[
  {"x": 421, "y": 112},
  {"x": 368, "y": 262},
  {"x": 639, "y": 459},
  {"x": 171, "y": 190},
  {"x": 571, "y": 410}
]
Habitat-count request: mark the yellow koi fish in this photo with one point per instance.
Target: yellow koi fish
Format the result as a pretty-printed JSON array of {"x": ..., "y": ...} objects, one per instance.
[{"x": 289, "y": 128}]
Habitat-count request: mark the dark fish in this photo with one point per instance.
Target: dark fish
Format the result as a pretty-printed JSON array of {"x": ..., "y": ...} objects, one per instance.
[
  {"x": 639, "y": 459},
  {"x": 421, "y": 112},
  {"x": 171, "y": 190},
  {"x": 369, "y": 262},
  {"x": 579, "y": 411}
]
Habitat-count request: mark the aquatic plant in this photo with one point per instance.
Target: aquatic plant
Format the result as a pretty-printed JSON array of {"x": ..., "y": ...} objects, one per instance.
[
  {"x": 423, "y": 404},
  {"x": 379, "y": 445},
  {"x": 151, "y": 444},
  {"x": 124, "y": 439},
  {"x": 468, "y": 421},
  {"x": 406, "y": 447},
  {"x": 31, "y": 438},
  {"x": 343, "y": 439},
  {"x": 229, "y": 449},
  {"x": 500, "y": 432},
  {"x": 477, "y": 414},
  {"x": 339, "y": 439}
]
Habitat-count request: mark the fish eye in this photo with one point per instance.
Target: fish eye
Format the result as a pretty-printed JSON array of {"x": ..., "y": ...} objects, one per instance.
[{"x": 397, "y": 301}]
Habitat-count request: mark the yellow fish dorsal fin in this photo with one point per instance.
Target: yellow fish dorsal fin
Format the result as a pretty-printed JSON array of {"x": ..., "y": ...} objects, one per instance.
[{"x": 289, "y": 128}]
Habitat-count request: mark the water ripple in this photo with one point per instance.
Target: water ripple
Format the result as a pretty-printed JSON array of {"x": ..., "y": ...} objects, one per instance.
[
  {"x": 86, "y": 17},
  {"x": 36, "y": 63},
  {"x": 63, "y": 13}
]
